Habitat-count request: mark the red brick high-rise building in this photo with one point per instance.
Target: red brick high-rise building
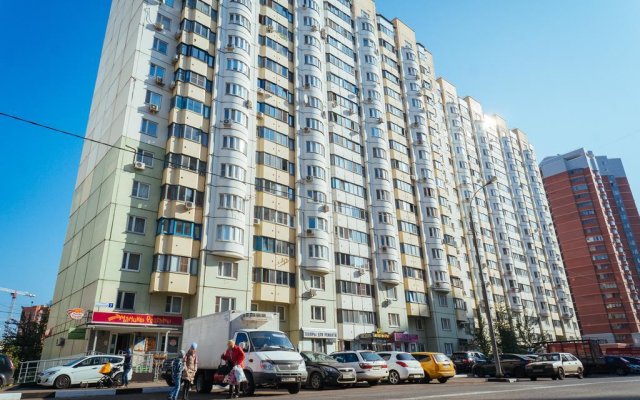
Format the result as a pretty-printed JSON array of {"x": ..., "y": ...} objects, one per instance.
[{"x": 598, "y": 228}]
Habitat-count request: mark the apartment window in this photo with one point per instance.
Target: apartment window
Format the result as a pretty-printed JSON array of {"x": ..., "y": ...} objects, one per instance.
[
  {"x": 282, "y": 316},
  {"x": 228, "y": 269},
  {"x": 153, "y": 98},
  {"x": 233, "y": 115},
  {"x": 234, "y": 143},
  {"x": 418, "y": 323},
  {"x": 394, "y": 320},
  {"x": 149, "y": 127},
  {"x": 231, "y": 201},
  {"x": 318, "y": 251},
  {"x": 234, "y": 89},
  {"x": 136, "y": 224},
  {"x": 315, "y": 147},
  {"x": 442, "y": 300},
  {"x": 238, "y": 66},
  {"x": 173, "y": 305},
  {"x": 125, "y": 300},
  {"x": 445, "y": 323},
  {"x": 317, "y": 223},
  {"x": 160, "y": 46},
  {"x": 229, "y": 233},
  {"x": 225, "y": 304},
  {"x": 164, "y": 20},
  {"x": 318, "y": 313},
  {"x": 140, "y": 190},
  {"x": 448, "y": 348},
  {"x": 317, "y": 282},
  {"x": 156, "y": 71},
  {"x": 232, "y": 171},
  {"x": 130, "y": 261}
]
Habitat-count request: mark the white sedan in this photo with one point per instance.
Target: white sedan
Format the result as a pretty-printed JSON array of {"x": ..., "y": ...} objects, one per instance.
[
  {"x": 402, "y": 367},
  {"x": 85, "y": 369}
]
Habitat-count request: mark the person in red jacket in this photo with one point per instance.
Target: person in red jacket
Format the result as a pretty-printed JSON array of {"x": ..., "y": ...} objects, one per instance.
[{"x": 235, "y": 356}]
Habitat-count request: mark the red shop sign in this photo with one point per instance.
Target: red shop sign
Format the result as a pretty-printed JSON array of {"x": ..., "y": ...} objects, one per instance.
[{"x": 135, "y": 319}]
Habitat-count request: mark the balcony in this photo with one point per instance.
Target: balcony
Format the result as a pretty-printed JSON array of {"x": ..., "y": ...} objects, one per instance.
[
  {"x": 543, "y": 313},
  {"x": 418, "y": 310},
  {"x": 461, "y": 315},
  {"x": 441, "y": 286},
  {"x": 567, "y": 315},
  {"x": 390, "y": 278},
  {"x": 173, "y": 282}
]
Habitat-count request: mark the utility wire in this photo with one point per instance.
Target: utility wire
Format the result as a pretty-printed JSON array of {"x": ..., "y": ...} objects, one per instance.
[{"x": 134, "y": 152}]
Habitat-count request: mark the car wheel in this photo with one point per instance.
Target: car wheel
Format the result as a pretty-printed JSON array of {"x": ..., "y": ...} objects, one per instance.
[
  {"x": 373, "y": 383},
  {"x": 316, "y": 381},
  {"x": 248, "y": 388},
  {"x": 478, "y": 372},
  {"x": 620, "y": 371},
  {"x": 295, "y": 388},
  {"x": 62, "y": 382},
  {"x": 580, "y": 373},
  {"x": 426, "y": 378},
  {"x": 394, "y": 377},
  {"x": 560, "y": 373},
  {"x": 519, "y": 372},
  {"x": 534, "y": 378},
  {"x": 443, "y": 380}
]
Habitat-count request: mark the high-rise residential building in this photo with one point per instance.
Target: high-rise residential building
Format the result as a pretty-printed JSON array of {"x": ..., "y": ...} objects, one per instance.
[
  {"x": 598, "y": 227},
  {"x": 298, "y": 157}
]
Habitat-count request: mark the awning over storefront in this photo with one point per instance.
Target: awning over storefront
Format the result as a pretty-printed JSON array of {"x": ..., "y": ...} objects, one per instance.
[{"x": 319, "y": 333}]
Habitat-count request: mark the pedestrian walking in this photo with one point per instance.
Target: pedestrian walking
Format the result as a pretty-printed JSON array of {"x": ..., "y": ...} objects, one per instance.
[
  {"x": 126, "y": 368},
  {"x": 190, "y": 363},
  {"x": 176, "y": 373},
  {"x": 235, "y": 355}
]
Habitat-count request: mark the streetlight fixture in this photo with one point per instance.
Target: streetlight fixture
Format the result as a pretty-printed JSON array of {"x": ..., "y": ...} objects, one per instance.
[{"x": 487, "y": 310}]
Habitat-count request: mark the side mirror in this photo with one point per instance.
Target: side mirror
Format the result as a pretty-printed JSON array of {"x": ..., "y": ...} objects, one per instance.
[{"x": 244, "y": 346}]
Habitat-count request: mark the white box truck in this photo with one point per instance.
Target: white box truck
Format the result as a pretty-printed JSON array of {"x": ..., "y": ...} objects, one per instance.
[{"x": 270, "y": 358}]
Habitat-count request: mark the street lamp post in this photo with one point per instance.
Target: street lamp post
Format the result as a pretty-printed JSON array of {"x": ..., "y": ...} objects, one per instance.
[{"x": 487, "y": 310}]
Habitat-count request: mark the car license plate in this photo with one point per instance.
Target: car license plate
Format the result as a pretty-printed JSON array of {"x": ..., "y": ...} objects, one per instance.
[
  {"x": 292, "y": 379},
  {"x": 347, "y": 376},
  {"x": 376, "y": 367}
]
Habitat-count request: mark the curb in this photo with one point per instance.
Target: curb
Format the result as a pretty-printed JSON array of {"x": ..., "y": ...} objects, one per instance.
[{"x": 83, "y": 393}]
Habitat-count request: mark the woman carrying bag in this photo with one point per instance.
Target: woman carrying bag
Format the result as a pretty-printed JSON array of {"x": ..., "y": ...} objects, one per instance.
[{"x": 236, "y": 376}]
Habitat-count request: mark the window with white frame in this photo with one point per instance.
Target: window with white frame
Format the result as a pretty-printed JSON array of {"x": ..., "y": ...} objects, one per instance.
[
  {"x": 130, "y": 261},
  {"x": 173, "y": 305},
  {"x": 318, "y": 313},
  {"x": 445, "y": 323},
  {"x": 282, "y": 316},
  {"x": 228, "y": 269},
  {"x": 318, "y": 251},
  {"x": 229, "y": 233},
  {"x": 140, "y": 190},
  {"x": 316, "y": 282},
  {"x": 225, "y": 304},
  {"x": 136, "y": 224},
  {"x": 394, "y": 320}
]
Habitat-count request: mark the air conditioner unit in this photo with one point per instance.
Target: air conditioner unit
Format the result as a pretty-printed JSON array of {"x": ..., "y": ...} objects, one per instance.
[
  {"x": 309, "y": 178},
  {"x": 437, "y": 284},
  {"x": 178, "y": 34},
  {"x": 380, "y": 120},
  {"x": 139, "y": 165},
  {"x": 256, "y": 221},
  {"x": 384, "y": 248},
  {"x": 153, "y": 108},
  {"x": 159, "y": 26},
  {"x": 313, "y": 292},
  {"x": 230, "y": 47},
  {"x": 369, "y": 100},
  {"x": 310, "y": 232},
  {"x": 324, "y": 208},
  {"x": 415, "y": 125},
  {"x": 269, "y": 28},
  {"x": 259, "y": 115},
  {"x": 261, "y": 92},
  {"x": 189, "y": 205},
  {"x": 160, "y": 80},
  {"x": 307, "y": 86},
  {"x": 247, "y": 103},
  {"x": 362, "y": 271},
  {"x": 176, "y": 58},
  {"x": 172, "y": 85},
  {"x": 226, "y": 123},
  {"x": 314, "y": 28},
  {"x": 306, "y": 129},
  {"x": 414, "y": 178},
  {"x": 323, "y": 33}
]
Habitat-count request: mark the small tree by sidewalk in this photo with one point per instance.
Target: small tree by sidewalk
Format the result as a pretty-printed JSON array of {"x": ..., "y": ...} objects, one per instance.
[{"x": 22, "y": 340}]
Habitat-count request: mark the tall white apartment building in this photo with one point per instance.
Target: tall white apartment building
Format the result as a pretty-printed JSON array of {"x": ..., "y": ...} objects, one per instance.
[{"x": 297, "y": 157}]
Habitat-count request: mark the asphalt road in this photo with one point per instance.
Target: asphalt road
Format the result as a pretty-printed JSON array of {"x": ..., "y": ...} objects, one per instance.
[{"x": 610, "y": 388}]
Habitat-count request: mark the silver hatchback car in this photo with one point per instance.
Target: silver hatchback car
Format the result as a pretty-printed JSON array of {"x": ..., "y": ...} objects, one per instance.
[{"x": 555, "y": 366}]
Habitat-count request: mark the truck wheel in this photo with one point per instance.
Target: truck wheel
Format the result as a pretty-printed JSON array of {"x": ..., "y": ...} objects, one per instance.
[
  {"x": 248, "y": 388},
  {"x": 202, "y": 384},
  {"x": 295, "y": 388}
]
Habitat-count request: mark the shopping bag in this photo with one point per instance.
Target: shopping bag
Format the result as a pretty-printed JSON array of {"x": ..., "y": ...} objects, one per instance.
[
  {"x": 129, "y": 375},
  {"x": 239, "y": 373}
]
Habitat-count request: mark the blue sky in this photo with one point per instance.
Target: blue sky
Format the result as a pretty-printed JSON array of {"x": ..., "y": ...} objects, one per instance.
[{"x": 566, "y": 72}]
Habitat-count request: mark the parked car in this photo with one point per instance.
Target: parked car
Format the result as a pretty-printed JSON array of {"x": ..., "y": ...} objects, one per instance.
[
  {"x": 323, "y": 371},
  {"x": 369, "y": 366},
  {"x": 633, "y": 360},
  {"x": 435, "y": 366},
  {"x": 75, "y": 372},
  {"x": 402, "y": 367},
  {"x": 621, "y": 365},
  {"x": 555, "y": 366},
  {"x": 464, "y": 361},
  {"x": 6, "y": 370},
  {"x": 513, "y": 365}
]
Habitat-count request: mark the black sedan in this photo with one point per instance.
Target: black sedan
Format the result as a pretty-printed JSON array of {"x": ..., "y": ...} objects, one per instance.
[
  {"x": 325, "y": 371},
  {"x": 513, "y": 365}
]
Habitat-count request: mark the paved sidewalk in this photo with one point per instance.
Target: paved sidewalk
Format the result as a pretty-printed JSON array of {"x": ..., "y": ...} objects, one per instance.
[{"x": 40, "y": 392}]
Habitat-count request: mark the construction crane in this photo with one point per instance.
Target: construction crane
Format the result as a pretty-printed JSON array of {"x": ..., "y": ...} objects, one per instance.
[{"x": 14, "y": 295}]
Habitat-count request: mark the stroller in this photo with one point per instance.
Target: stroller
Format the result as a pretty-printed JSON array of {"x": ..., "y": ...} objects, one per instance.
[
  {"x": 223, "y": 370},
  {"x": 112, "y": 379}
]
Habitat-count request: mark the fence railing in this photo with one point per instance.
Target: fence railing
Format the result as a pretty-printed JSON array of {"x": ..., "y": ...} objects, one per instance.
[{"x": 29, "y": 370}]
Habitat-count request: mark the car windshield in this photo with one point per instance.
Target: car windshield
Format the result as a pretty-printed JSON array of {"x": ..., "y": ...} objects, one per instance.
[
  {"x": 549, "y": 357},
  {"x": 370, "y": 356},
  {"x": 405, "y": 357},
  {"x": 70, "y": 363},
  {"x": 441, "y": 357},
  {"x": 318, "y": 357},
  {"x": 267, "y": 340}
]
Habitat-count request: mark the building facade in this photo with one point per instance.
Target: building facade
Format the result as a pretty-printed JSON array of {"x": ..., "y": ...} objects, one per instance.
[
  {"x": 599, "y": 228},
  {"x": 298, "y": 157}
]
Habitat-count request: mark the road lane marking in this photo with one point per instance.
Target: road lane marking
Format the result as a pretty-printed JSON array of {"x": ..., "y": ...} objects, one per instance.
[{"x": 530, "y": 387}]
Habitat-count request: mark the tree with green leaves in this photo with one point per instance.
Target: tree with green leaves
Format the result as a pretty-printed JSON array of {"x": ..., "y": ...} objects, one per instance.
[
  {"x": 22, "y": 340},
  {"x": 481, "y": 336},
  {"x": 527, "y": 337}
]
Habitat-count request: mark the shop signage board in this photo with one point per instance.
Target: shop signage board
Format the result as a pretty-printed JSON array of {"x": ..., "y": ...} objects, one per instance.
[
  {"x": 76, "y": 334},
  {"x": 315, "y": 333},
  {"x": 76, "y": 313},
  {"x": 116, "y": 318}
]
